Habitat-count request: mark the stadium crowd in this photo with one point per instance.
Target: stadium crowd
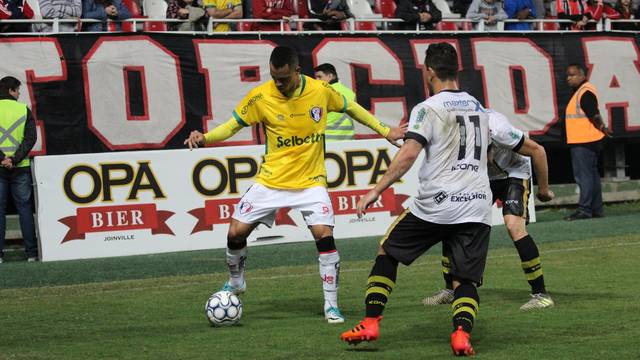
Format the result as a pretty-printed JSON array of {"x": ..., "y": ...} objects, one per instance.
[{"x": 286, "y": 15}]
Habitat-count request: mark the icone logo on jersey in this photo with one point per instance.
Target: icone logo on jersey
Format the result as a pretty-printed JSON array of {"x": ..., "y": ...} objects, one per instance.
[
  {"x": 295, "y": 140},
  {"x": 464, "y": 166},
  {"x": 316, "y": 113}
]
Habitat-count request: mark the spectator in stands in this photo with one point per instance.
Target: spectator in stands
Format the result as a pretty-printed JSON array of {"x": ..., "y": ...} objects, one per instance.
[
  {"x": 585, "y": 131},
  {"x": 574, "y": 10},
  {"x": 489, "y": 11},
  {"x": 626, "y": 12},
  {"x": 421, "y": 13},
  {"x": 271, "y": 10},
  {"x": 59, "y": 9},
  {"x": 339, "y": 125},
  {"x": 596, "y": 8},
  {"x": 331, "y": 12},
  {"x": 18, "y": 135},
  {"x": 223, "y": 9},
  {"x": 15, "y": 10},
  {"x": 107, "y": 11},
  {"x": 461, "y": 7},
  {"x": 187, "y": 10},
  {"x": 541, "y": 9},
  {"x": 520, "y": 10}
]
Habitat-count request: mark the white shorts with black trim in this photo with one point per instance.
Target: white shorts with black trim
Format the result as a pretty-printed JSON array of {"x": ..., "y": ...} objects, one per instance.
[{"x": 260, "y": 204}]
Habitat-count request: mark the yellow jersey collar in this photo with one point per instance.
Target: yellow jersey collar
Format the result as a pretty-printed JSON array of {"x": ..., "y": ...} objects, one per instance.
[{"x": 298, "y": 91}]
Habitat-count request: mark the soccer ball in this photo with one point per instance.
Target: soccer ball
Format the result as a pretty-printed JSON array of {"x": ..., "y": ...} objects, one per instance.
[{"x": 223, "y": 309}]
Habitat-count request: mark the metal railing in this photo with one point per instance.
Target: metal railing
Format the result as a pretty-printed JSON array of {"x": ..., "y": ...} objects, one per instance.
[{"x": 382, "y": 25}]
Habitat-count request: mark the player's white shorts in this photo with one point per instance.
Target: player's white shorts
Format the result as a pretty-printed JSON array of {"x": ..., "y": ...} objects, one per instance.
[{"x": 260, "y": 204}]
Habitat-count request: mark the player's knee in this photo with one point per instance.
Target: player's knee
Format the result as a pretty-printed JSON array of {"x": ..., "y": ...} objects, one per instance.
[
  {"x": 517, "y": 232},
  {"x": 236, "y": 239},
  {"x": 516, "y": 228},
  {"x": 320, "y": 232}
]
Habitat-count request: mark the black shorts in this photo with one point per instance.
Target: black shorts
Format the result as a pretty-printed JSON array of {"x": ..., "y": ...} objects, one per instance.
[
  {"x": 465, "y": 245},
  {"x": 514, "y": 195}
]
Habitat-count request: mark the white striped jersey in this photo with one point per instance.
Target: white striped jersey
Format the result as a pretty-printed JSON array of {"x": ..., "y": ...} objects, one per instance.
[{"x": 455, "y": 130}]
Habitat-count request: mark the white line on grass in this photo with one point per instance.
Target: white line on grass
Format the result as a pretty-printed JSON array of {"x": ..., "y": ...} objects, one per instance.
[{"x": 276, "y": 277}]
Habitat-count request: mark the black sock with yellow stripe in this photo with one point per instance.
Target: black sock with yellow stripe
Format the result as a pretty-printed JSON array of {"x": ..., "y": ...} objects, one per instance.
[
  {"x": 465, "y": 306},
  {"x": 446, "y": 268},
  {"x": 530, "y": 258},
  {"x": 380, "y": 284}
]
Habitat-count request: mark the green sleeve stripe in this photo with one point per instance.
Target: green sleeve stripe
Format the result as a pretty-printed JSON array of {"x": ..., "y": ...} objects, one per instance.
[
  {"x": 344, "y": 107},
  {"x": 239, "y": 119}
]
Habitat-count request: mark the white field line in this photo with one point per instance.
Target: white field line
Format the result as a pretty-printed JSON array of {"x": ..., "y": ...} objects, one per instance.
[{"x": 274, "y": 277}]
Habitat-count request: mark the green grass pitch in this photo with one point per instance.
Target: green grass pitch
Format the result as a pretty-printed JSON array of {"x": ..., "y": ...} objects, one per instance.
[{"x": 151, "y": 307}]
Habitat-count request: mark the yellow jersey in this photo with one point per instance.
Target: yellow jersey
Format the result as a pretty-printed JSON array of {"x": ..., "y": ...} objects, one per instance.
[
  {"x": 294, "y": 129},
  {"x": 221, "y": 4}
]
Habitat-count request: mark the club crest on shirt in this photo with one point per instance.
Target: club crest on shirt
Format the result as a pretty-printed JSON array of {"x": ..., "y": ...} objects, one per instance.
[
  {"x": 245, "y": 207},
  {"x": 315, "y": 113}
]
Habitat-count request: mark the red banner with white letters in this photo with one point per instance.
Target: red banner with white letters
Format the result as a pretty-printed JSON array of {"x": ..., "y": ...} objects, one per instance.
[
  {"x": 148, "y": 91},
  {"x": 116, "y": 218}
]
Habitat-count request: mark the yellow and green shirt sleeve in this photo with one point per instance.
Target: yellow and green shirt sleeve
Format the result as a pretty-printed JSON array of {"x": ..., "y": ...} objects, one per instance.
[{"x": 364, "y": 117}]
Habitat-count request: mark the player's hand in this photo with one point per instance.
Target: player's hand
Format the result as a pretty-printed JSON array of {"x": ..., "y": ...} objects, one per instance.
[
  {"x": 545, "y": 195},
  {"x": 195, "y": 140},
  {"x": 365, "y": 202},
  {"x": 397, "y": 133}
]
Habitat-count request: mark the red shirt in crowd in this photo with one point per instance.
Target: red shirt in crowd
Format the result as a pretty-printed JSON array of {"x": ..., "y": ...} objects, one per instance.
[{"x": 272, "y": 10}]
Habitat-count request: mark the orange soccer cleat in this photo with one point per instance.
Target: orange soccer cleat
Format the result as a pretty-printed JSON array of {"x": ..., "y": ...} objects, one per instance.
[
  {"x": 366, "y": 330},
  {"x": 460, "y": 343}
]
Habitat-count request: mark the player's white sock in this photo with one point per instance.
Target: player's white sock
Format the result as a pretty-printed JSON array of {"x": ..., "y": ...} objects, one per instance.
[
  {"x": 235, "y": 262},
  {"x": 330, "y": 273}
]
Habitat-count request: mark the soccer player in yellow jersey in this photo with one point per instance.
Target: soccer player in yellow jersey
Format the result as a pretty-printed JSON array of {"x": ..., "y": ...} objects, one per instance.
[{"x": 293, "y": 109}]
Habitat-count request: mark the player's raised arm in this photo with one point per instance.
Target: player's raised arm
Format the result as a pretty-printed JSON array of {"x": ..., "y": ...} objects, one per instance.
[
  {"x": 219, "y": 133},
  {"x": 361, "y": 115}
]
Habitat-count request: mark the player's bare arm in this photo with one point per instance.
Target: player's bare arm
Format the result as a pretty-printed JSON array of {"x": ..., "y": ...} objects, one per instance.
[
  {"x": 400, "y": 164},
  {"x": 539, "y": 158}
]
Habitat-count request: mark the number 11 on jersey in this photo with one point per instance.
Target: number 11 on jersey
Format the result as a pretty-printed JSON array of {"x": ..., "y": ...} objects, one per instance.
[{"x": 462, "y": 123}]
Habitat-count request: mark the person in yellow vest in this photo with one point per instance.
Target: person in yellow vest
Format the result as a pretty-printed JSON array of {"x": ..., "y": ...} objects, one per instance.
[
  {"x": 17, "y": 137},
  {"x": 339, "y": 125},
  {"x": 585, "y": 131}
]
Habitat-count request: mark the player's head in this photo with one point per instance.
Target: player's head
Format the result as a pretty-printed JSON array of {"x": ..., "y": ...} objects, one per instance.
[
  {"x": 326, "y": 72},
  {"x": 285, "y": 69},
  {"x": 576, "y": 74},
  {"x": 10, "y": 86},
  {"x": 441, "y": 63}
]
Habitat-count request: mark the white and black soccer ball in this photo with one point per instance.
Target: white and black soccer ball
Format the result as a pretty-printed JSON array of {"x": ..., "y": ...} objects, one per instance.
[{"x": 223, "y": 309}]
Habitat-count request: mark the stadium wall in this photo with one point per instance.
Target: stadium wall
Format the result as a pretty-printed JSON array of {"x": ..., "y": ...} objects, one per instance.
[
  {"x": 129, "y": 203},
  {"x": 93, "y": 93},
  {"x": 130, "y": 92}
]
